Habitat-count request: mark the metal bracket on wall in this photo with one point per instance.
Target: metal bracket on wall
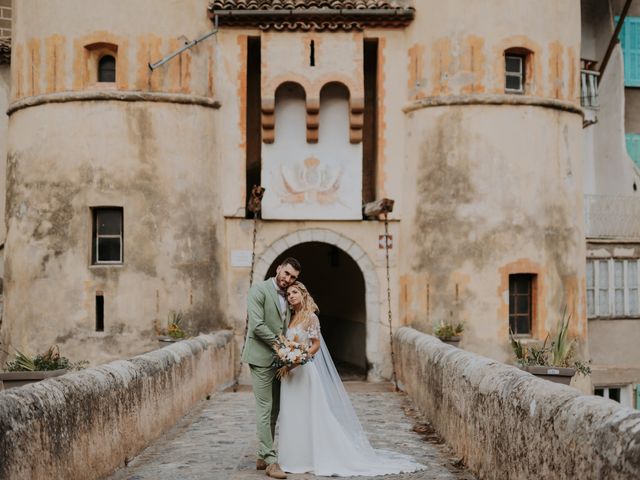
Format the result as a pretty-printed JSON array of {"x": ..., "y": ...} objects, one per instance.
[{"x": 187, "y": 45}]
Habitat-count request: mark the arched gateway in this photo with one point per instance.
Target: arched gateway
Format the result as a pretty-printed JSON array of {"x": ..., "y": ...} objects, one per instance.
[{"x": 364, "y": 350}]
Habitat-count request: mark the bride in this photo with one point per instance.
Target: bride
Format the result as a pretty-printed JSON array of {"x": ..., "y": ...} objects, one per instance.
[{"x": 319, "y": 430}]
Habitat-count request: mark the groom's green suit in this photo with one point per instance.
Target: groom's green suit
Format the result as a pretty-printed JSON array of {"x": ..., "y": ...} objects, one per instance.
[{"x": 266, "y": 322}]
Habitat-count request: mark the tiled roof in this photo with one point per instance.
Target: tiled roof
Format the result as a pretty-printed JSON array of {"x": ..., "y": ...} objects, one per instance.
[
  {"x": 305, "y": 4},
  {"x": 5, "y": 50},
  {"x": 312, "y": 14}
]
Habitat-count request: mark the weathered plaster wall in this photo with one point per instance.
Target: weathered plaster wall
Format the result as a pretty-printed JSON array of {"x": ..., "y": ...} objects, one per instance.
[
  {"x": 610, "y": 171},
  {"x": 492, "y": 190},
  {"x": 505, "y": 423},
  {"x": 50, "y": 55},
  {"x": 5, "y": 91},
  {"x": 453, "y": 54},
  {"x": 84, "y": 425},
  {"x": 157, "y": 157},
  {"x": 614, "y": 342},
  {"x": 154, "y": 161},
  {"x": 491, "y": 200}
]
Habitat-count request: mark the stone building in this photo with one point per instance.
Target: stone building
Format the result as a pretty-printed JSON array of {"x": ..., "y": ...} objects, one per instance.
[
  {"x": 611, "y": 198},
  {"x": 127, "y": 181}
]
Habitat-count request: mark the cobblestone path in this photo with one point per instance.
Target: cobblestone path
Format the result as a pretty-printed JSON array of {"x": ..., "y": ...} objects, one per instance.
[{"x": 216, "y": 440}]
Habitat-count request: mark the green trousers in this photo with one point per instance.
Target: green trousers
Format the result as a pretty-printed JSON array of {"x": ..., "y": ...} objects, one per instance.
[{"x": 266, "y": 389}]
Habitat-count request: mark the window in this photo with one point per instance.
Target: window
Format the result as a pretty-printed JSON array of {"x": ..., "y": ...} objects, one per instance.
[
  {"x": 107, "y": 69},
  {"x": 514, "y": 67},
  {"x": 612, "y": 288},
  {"x": 521, "y": 293},
  {"x": 107, "y": 235},
  {"x": 610, "y": 393},
  {"x": 623, "y": 394},
  {"x": 630, "y": 42},
  {"x": 99, "y": 312}
]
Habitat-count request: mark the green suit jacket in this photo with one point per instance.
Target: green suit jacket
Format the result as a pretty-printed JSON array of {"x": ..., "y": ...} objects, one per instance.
[{"x": 265, "y": 323}]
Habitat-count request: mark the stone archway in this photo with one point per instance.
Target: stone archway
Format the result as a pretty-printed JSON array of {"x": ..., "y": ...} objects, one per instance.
[{"x": 357, "y": 254}]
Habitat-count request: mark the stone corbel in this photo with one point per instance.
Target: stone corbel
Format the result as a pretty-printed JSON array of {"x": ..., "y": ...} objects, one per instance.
[
  {"x": 313, "y": 119},
  {"x": 356, "y": 119},
  {"x": 268, "y": 119}
]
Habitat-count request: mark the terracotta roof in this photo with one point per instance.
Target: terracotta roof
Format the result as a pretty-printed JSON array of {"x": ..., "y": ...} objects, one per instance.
[
  {"x": 305, "y": 4},
  {"x": 312, "y": 14},
  {"x": 5, "y": 50}
]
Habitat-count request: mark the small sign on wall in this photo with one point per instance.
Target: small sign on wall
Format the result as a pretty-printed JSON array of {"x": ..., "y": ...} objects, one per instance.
[
  {"x": 241, "y": 258},
  {"x": 381, "y": 241}
]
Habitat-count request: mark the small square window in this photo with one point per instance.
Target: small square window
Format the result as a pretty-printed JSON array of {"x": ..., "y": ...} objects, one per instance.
[
  {"x": 514, "y": 73},
  {"x": 107, "y": 235}
]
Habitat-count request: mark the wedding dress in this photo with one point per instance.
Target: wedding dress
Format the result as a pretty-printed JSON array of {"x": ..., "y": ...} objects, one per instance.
[{"x": 319, "y": 431}]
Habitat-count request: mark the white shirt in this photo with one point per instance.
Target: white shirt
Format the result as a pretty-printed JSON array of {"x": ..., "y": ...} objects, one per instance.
[{"x": 283, "y": 302}]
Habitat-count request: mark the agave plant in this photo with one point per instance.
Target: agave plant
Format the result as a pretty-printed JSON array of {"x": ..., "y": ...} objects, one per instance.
[
  {"x": 174, "y": 329},
  {"x": 445, "y": 331},
  {"x": 562, "y": 347},
  {"x": 49, "y": 360},
  {"x": 559, "y": 353}
]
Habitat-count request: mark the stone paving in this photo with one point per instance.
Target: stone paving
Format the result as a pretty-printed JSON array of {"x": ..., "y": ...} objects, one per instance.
[{"x": 217, "y": 440}]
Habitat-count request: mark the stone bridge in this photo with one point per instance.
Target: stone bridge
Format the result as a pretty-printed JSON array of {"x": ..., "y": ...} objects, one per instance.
[{"x": 176, "y": 413}]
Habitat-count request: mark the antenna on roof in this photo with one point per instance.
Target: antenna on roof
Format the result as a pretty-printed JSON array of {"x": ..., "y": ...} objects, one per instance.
[{"x": 187, "y": 45}]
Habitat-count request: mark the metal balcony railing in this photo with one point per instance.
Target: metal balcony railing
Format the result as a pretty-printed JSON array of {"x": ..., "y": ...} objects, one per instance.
[{"x": 589, "y": 88}]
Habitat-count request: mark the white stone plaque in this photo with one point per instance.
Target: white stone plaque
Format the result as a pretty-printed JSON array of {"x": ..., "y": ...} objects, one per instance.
[{"x": 241, "y": 258}]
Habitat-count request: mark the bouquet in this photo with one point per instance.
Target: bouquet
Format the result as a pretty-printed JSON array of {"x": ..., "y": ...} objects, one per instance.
[{"x": 289, "y": 354}]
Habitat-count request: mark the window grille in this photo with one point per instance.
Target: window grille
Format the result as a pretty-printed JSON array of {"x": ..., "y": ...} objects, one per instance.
[{"x": 521, "y": 293}]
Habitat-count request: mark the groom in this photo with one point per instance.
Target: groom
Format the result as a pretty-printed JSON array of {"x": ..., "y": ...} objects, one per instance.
[{"x": 268, "y": 318}]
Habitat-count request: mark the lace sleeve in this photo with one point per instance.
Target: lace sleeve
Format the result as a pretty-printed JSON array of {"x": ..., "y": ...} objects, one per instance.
[{"x": 314, "y": 327}]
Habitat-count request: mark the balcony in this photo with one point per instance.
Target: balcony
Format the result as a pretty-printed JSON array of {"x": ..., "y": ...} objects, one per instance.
[{"x": 589, "y": 85}]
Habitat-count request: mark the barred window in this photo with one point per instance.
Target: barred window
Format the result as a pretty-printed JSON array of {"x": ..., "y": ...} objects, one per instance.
[{"x": 521, "y": 303}]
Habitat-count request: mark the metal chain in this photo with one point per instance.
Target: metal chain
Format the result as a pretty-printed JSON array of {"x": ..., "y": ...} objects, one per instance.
[
  {"x": 386, "y": 251},
  {"x": 253, "y": 262}
]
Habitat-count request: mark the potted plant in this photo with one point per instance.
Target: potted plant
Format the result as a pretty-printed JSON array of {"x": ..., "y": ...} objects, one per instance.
[
  {"x": 552, "y": 361},
  {"x": 174, "y": 331},
  {"x": 449, "y": 333},
  {"x": 25, "y": 369}
]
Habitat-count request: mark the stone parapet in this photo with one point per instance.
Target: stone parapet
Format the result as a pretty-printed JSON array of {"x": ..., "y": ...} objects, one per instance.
[
  {"x": 83, "y": 425},
  {"x": 506, "y": 423}
]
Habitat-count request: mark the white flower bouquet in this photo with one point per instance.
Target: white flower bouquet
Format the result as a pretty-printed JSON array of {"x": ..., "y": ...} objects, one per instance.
[{"x": 289, "y": 354}]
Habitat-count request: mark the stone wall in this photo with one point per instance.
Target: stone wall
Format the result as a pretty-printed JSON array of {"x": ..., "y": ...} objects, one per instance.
[
  {"x": 84, "y": 425},
  {"x": 507, "y": 424}
]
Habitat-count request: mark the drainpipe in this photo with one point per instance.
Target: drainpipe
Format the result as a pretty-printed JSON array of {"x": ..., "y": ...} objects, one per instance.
[{"x": 614, "y": 38}]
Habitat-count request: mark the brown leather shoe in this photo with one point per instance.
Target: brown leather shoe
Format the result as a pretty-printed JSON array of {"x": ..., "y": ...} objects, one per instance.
[
  {"x": 261, "y": 464},
  {"x": 274, "y": 471}
]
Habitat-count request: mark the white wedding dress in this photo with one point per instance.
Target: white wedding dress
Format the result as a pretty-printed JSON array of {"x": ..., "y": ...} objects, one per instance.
[{"x": 319, "y": 431}]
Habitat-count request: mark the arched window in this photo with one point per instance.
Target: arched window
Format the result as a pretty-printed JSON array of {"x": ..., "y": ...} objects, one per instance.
[{"x": 107, "y": 69}]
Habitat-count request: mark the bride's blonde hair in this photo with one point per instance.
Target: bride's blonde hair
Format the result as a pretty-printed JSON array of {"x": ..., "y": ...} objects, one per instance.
[{"x": 309, "y": 306}]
